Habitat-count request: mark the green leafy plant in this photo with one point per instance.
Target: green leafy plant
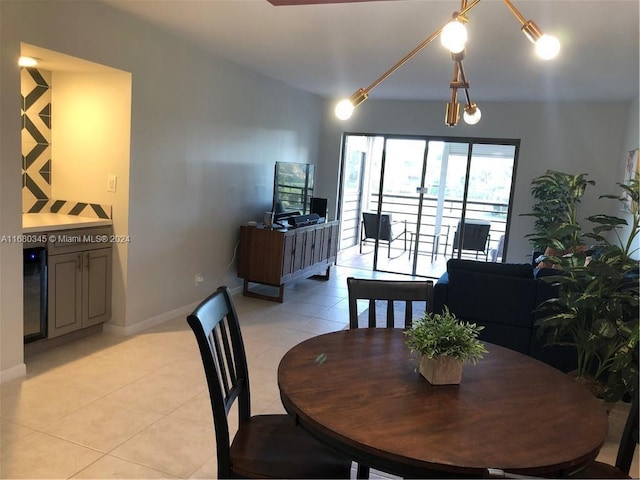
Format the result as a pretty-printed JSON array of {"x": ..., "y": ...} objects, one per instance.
[
  {"x": 557, "y": 196},
  {"x": 597, "y": 306},
  {"x": 443, "y": 334}
]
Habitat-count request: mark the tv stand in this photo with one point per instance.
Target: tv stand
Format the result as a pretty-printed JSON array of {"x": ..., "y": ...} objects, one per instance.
[{"x": 275, "y": 258}]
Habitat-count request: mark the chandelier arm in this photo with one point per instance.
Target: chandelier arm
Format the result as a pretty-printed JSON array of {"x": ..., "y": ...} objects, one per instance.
[
  {"x": 409, "y": 55},
  {"x": 515, "y": 11},
  {"x": 464, "y": 81},
  {"x": 466, "y": 93}
]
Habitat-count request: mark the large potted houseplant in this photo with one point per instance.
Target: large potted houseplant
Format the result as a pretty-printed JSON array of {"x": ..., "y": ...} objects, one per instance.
[
  {"x": 556, "y": 228},
  {"x": 596, "y": 310},
  {"x": 444, "y": 344}
]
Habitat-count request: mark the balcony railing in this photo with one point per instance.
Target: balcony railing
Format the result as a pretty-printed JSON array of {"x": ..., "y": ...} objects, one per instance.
[{"x": 405, "y": 207}]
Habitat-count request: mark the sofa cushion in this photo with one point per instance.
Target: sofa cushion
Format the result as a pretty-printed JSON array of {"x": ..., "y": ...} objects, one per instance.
[
  {"x": 520, "y": 270},
  {"x": 494, "y": 293},
  {"x": 499, "y": 299}
]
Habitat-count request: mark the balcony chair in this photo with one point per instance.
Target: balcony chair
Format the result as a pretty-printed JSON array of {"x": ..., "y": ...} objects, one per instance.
[
  {"x": 264, "y": 446},
  {"x": 497, "y": 252},
  {"x": 386, "y": 231},
  {"x": 475, "y": 238},
  {"x": 388, "y": 292}
]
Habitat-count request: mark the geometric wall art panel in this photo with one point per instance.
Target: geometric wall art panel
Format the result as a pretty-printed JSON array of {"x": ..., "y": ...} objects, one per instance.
[
  {"x": 69, "y": 207},
  {"x": 35, "y": 89}
]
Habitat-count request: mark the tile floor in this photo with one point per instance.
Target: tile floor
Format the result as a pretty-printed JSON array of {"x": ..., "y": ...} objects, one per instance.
[{"x": 137, "y": 407}]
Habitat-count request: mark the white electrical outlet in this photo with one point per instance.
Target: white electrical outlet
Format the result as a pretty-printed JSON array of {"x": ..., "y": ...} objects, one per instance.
[
  {"x": 112, "y": 183},
  {"x": 199, "y": 279}
]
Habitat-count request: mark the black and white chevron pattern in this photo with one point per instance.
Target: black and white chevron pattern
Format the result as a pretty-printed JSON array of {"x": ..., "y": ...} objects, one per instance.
[
  {"x": 35, "y": 88},
  {"x": 36, "y": 137}
]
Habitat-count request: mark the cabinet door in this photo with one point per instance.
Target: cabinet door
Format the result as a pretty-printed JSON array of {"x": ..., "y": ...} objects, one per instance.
[
  {"x": 309, "y": 243},
  {"x": 298, "y": 251},
  {"x": 96, "y": 287},
  {"x": 316, "y": 256},
  {"x": 65, "y": 293},
  {"x": 332, "y": 248},
  {"x": 288, "y": 254}
]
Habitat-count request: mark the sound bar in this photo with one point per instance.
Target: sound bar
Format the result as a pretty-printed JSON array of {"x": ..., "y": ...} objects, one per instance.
[{"x": 303, "y": 220}]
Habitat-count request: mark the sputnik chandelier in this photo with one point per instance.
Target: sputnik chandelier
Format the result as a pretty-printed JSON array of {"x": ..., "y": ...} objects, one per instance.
[{"x": 453, "y": 36}]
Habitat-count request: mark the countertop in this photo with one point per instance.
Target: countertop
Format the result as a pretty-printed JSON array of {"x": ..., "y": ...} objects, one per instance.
[{"x": 45, "y": 222}]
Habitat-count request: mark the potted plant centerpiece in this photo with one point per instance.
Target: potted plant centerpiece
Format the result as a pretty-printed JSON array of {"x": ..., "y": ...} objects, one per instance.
[{"x": 444, "y": 344}]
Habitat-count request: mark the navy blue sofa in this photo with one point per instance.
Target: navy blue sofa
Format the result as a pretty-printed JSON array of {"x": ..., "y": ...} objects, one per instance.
[{"x": 502, "y": 297}]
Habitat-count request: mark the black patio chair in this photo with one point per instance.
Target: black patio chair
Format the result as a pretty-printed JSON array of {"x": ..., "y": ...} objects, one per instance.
[
  {"x": 475, "y": 238},
  {"x": 386, "y": 230}
]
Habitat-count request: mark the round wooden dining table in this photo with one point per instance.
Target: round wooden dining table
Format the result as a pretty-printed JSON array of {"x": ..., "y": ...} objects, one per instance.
[{"x": 359, "y": 392}]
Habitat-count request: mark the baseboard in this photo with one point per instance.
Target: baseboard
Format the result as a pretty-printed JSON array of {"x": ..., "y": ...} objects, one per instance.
[
  {"x": 13, "y": 372},
  {"x": 149, "y": 322},
  {"x": 157, "y": 320}
]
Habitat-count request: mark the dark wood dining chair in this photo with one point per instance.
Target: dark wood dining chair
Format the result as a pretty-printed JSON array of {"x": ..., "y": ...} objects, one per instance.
[
  {"x": 264, "y": 446},
  {"x": 624, "y": 458},
  {"x": 388, "y": 292},
  {"x": 626, "y": 450}
]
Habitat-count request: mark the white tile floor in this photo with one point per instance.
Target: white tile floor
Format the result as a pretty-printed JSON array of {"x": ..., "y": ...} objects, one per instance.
[{"x": 137, "y": 407}]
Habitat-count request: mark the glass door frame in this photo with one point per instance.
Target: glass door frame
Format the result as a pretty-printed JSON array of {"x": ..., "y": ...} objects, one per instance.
[{"x": 471, "y": 141}]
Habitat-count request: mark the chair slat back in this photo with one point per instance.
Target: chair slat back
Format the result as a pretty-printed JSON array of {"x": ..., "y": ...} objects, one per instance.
[
  {"x": 372, "y": 228},
  {"x": 215, "y": 325},
  {"x": 381, "y": 292},
  {"x": 474, "y": 236}
]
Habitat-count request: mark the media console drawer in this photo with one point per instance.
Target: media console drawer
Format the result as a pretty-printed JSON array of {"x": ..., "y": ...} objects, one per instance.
[{"x": 274, "y": 258}]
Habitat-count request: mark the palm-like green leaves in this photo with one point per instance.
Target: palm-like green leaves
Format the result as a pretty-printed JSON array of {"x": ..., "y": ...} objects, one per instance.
[
  {"x": 597, "y": 307},
  {"x": 557, "y": 197}
]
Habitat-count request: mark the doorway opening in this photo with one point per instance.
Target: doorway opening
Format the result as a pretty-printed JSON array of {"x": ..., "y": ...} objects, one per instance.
[{"x": 409, "y": 203}]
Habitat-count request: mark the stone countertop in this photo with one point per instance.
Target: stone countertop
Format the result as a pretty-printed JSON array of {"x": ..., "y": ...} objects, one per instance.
[{"x": 45, "y": 222}]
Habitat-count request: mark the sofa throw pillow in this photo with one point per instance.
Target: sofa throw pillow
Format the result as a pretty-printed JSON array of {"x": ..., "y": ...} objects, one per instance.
[{"x": 519, "y": 270}]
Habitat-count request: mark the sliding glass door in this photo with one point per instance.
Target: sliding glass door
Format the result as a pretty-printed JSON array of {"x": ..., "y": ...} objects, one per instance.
[{"x": 410, "y": 203}]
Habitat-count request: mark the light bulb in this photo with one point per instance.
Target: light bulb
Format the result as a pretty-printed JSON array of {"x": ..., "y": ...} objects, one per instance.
[
  {"x": 454, "y": 36},
  {"x": 472, "y": 114},
  {"x": 27, "y": 61},
  {"x": 547, "y": 47},
  {"x": 344, "y": 109}
]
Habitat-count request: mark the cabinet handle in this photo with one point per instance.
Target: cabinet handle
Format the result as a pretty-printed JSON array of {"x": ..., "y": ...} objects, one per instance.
[{"x": 78, "y": 261}]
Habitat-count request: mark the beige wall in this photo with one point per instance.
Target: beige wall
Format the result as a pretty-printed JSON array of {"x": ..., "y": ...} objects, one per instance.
[
  {"x": 630, "y": 141},
  {"x": 91, "y": 140},
  {"x": 205, "y": 135},
  {"x": 11, "y": 363}
]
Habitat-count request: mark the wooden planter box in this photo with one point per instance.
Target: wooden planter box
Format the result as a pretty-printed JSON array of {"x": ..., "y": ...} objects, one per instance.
[{"x": 441, "y": 370}]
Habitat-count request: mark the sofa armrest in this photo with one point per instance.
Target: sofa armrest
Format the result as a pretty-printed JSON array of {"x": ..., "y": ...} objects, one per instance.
[{"x": 440, "y": 293}]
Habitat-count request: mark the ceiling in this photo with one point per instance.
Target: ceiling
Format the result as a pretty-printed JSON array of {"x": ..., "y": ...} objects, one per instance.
[{"x": 334, "y": 49}]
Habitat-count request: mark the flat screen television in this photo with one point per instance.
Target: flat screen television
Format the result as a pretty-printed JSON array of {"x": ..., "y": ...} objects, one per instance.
[{"x": 293, "y": 186}]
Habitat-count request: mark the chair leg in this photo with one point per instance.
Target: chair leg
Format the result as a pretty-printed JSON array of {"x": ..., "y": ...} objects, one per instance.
[{"x": 363, "y": 471}]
